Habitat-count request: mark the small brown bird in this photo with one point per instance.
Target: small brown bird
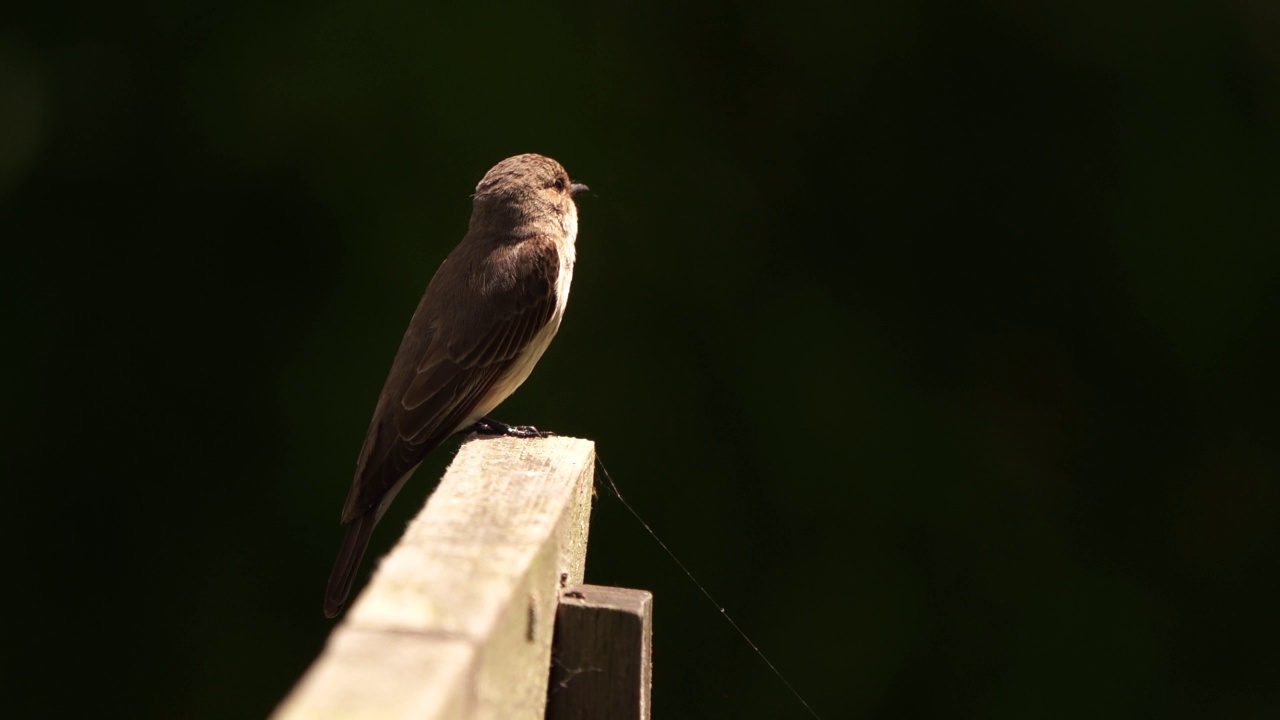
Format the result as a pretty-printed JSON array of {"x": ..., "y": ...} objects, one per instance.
[{"x": 484, "y": 321}]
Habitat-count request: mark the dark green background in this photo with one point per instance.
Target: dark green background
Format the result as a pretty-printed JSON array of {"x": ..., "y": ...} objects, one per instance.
[{"x": 937, "y": 338}]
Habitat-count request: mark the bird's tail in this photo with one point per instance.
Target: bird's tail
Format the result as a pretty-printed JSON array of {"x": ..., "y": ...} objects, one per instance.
[{"x": 344, "y": 568}]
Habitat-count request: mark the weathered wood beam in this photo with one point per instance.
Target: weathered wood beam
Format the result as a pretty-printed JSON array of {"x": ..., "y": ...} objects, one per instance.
[{"x": 458, "y": 619}]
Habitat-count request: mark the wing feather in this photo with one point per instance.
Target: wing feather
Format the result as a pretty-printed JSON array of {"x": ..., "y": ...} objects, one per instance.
[{"x": 469, "y": 350}]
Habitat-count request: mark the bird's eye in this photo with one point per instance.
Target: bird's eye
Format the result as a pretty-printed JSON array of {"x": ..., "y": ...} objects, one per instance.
[{"x": 559, "y": 183}]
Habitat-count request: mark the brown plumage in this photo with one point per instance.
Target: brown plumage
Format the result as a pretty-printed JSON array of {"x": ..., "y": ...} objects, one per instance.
[{"x": 486, "y": 317}]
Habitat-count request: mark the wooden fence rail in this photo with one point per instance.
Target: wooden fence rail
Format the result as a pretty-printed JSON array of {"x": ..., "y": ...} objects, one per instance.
[{"x": 458, "y": 620}]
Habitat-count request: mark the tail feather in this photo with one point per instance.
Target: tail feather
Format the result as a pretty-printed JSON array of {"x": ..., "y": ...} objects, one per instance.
[{"x": 344, "y": 568}]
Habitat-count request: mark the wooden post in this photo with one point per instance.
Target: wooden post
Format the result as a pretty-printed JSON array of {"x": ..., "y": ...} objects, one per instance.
[
  {"x": 457, "y": 621},
  {"x": 601, "y": 663}
]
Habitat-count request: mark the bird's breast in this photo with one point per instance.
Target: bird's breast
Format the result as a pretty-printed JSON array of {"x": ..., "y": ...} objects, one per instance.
[{"x": 525, "y": 362}]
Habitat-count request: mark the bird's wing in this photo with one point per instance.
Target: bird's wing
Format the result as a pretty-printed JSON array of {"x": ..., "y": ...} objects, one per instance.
[{"x": 454, "y": 372}]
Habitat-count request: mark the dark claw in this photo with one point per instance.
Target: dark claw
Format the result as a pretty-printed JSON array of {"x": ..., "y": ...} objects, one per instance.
[{"x": 489, "y": 426}]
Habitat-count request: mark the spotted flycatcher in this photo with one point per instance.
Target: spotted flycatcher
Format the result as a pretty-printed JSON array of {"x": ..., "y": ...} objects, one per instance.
[{"x": 485, "y": 319}]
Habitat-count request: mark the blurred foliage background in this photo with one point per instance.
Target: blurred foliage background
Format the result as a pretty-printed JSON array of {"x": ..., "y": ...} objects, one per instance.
[{"x": 937, "y": 338}]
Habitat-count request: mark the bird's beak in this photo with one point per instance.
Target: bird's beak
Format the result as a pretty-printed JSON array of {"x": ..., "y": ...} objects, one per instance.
[{"x": 577, "y": 189}]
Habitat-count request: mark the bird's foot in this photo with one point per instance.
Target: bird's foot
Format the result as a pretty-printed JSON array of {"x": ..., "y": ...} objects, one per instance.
[{"x": 489, "y": 426}]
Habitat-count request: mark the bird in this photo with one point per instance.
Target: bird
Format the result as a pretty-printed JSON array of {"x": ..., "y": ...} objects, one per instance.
[{"x": 484, "y": 321}]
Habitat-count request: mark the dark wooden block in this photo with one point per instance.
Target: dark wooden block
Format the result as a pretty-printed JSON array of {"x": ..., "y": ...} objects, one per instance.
[{"x": 602, "y": 655}]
